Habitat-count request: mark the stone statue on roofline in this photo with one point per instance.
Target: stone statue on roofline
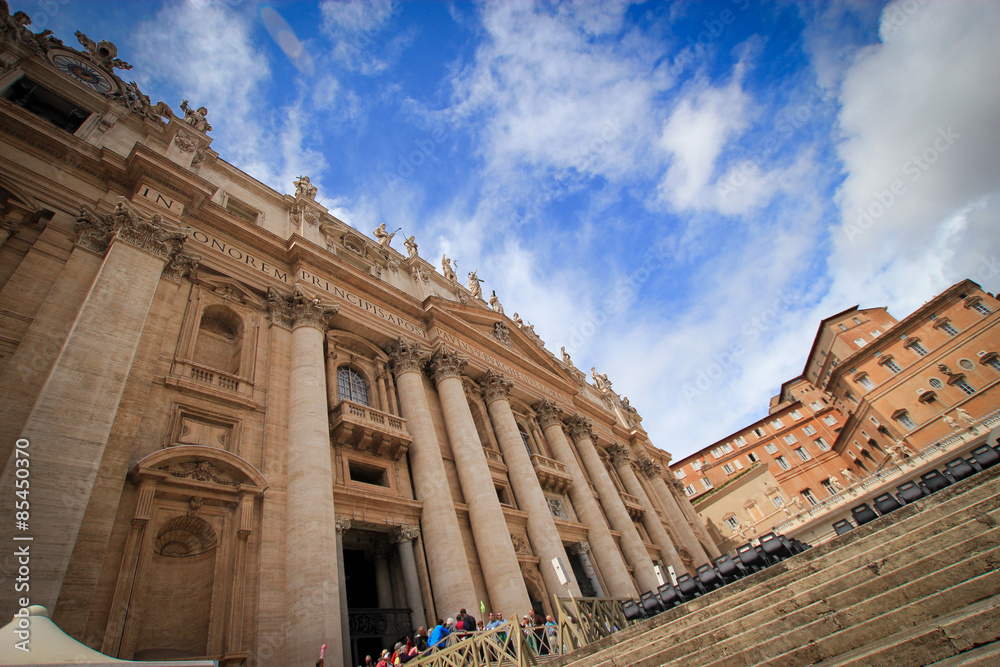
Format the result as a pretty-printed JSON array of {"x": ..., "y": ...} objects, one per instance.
[
  {"x": 305, "y": 189},
  {"x": 601, "y": 380},
  {"x": 449, "y": 273},
  {"x": 383, "y": 236},
  {"x": 196, "y": 118},
  {"x": 495, "y": 303},
  {"x": 474, "y": 287},
  {"x": 411, "y": 246}
]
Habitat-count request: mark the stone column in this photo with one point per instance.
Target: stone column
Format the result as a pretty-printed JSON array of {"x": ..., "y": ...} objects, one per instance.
[
  {"x": 404, "y": 537},
  {"x": 650, "y": 519},
  {"x": 331, "y": 379},
  {"x": 70, "y": 423},
  {"x": 8, "y": 228},
  {"x": 609, "y": 558},
  {"x": 449, "y": 572},
  {"x": 343, "y": 525},
  {"x": 542, "y": 531},
  {"x": 694, "y": 522},
  {"x": 383, "y": 582},
  {"x": 312, "y": 587},
  {"x": 383, "y": 396},
  {"x": 582, "y": 551},
  {"x": 234, "y": 635},
  {"x": 489, "y": 526},
  {"x": 675, "y": 515},
  {"x": 581, "y": 430}
]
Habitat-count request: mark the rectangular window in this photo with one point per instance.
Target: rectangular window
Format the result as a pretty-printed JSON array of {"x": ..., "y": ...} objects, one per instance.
[
  {"x": 777, "y": 423},
  {"x": 790, "y": 439},
  {"x": 866, "y": 383},
  {"x": 367, "y": 474},
  {"x": 893, "y": 366},
  {"x": 980, "y": 308},
  {"x": 965, "y": 386},
  {"x": 727, "y": 448},
  {"x": 689, "y": 490},
  {"x": 46, "y": 105},
  {"x": 919, "y": 349},
  {"x": 829, "y": 487},
  {"x": 771, "y": 448},
  {"x": 706, "y": 483},
  {"x": 857, "y": 321},
  {"x": 851, "y": 397},
  {"x": 795, "y": 414},
  {"x": 809, "y": 429},
  {"x": 994, "y": 363},
  {"x": 242, "y": 210},
  {"x": 680, "y": 474},
  {"x": 816, "y": 406},
  {"x": 802, "y": 453},
  {"x": 821, "y": 444},
  {"x": 738, "y": 464},
  {"x": 717, "y": 453},
  {"x": 783, "y": 462},
  {"x": 810, "y": 498},
  {"x": 696, "y": 465},
  {"x": 732, "y": 522},
  {"x": 843, "y": 327},
  {"x": 830, "y": 420},
  {"x": 948, "y": 329},
  {"x": 860, "y": 342},
  {"x": 876, "y": 333},
  {"x": 752, "y": 458},
  {"x": 741, "y": 441},
  {"x": 905, "y": 420},
  {"x": 778, "y": 500},
  {"x": 729, "y": 469},
  {"x": 759, "y": 432}
]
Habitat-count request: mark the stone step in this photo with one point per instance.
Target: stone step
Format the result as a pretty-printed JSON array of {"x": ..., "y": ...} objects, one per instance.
[
  {"x": 857, "y": 612},
  {"x": 918, "y": 529},
  {"x": 946, "y": 641},
  {"x": 982, "y": 656},
  {"x": 712, "y": 629}
]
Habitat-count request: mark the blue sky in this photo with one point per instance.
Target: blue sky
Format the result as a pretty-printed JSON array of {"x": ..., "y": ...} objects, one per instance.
[{"x": 676, "y": 192}]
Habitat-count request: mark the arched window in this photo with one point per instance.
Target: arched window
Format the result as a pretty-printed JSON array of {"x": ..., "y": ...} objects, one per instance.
[{"x": 351, "y": 386}]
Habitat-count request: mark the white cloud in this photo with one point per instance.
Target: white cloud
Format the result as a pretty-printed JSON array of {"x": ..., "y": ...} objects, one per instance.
[
  {"x": 921, "y": 153},
  {"x": 354, "y": 29},
  {"x": 213, "y": 61}
]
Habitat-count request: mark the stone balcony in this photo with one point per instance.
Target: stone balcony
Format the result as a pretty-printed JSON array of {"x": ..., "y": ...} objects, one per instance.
[
  {"x": 495, "y": 460},
  {"x": 551, "y": 474},
  {"x": 635, "y": 510},
  {"x": 369, "y": 430}
]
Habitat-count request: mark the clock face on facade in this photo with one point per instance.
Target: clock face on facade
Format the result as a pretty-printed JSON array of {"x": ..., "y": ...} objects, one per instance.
[{"x": 83, "y": 71}]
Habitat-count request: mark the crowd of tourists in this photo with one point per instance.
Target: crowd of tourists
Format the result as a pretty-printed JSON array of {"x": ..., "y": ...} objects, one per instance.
[{"x": 539, "y": 632}]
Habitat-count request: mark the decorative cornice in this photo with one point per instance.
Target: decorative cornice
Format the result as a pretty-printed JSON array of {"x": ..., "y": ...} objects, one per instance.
[
  {"x": 151, "y": 235},
  {"x": 405, "y": 533},
  {"x": 446, "y": 364},
  {"x": 548, "y": 413},
  {"x": 405, "y": 356},
  {"x": 674, "y": 483},
  {"x": 619, "y": 454},
  {"x": 93, "y": 232},
  {"x": 580, "y": 428},
  {"x": 495, "y": 387},
  {"x": 650, "y": 468},
  {"x": 298, "y": 310}
]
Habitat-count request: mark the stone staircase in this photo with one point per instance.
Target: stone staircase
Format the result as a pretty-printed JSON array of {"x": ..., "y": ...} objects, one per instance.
[{"x": 920, "y": 586}]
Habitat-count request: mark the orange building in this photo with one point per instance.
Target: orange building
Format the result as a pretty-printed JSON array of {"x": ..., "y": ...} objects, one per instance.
[{"x": 878, "y": 402}]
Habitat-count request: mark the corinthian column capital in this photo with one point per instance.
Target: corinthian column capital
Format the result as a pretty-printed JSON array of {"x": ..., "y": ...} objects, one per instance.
[
  {"x": 9, "y": 225},
  {"x": 149, "y": 234},
  {"x": 405, "y": 356},
  {"x": 405, "y": 533},
  {"x": 548, "y": 413},
  {"x": 649, "y": 468},
  {"x": 619, "y": 454},
  {"x": 446, "y": 364},
  {"x": 495, "y": 387},
  {"x": 298, "y": 310},
  {"x": 580, "y": 428}
]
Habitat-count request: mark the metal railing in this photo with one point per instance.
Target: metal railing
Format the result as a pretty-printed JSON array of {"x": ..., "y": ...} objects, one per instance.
[{"x": 581, "y": 621}]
